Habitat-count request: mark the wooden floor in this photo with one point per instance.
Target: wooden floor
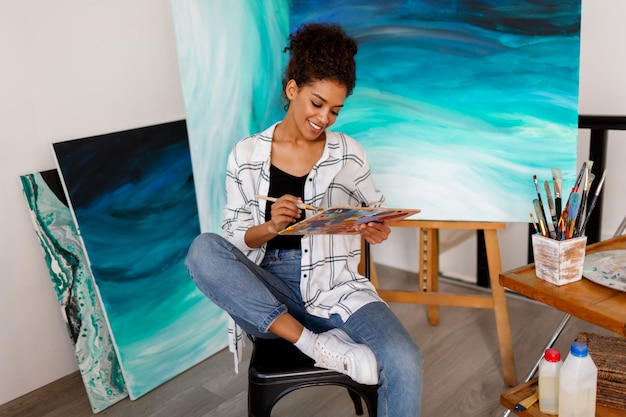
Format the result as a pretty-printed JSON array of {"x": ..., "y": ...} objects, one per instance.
[{"x": 463, "y": 375}]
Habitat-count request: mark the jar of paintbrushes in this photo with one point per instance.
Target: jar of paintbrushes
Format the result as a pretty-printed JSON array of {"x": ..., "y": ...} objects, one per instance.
[{"x": 559, "y": 242}]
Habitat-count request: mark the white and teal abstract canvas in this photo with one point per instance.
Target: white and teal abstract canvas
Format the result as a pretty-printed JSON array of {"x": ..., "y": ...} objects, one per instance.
[
  {"x": 133, "y": 199},
  {"x": 75, "y": 289},
  {"x": 458, "y": 103},
  {"x": 230, "y": 65}
]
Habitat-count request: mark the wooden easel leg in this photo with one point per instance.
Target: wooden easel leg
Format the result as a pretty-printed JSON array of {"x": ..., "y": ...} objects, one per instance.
[
  {"x": 500, "y": 310},
  {"x": 432, "y": 276}
]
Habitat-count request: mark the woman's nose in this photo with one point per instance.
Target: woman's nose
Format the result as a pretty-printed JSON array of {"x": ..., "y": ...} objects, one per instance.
[{"x": 323, "y": 116}]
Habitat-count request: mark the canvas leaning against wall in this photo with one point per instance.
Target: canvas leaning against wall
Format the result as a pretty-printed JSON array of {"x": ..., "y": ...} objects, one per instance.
[
  {"x": 75, "y": 289},
  {"x": 132, "y": 195},
  {"x": 458, "y": 103}
]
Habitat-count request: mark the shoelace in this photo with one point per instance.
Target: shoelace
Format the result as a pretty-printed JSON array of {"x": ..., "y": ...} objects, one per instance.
[{"x": 333, "y": 360}]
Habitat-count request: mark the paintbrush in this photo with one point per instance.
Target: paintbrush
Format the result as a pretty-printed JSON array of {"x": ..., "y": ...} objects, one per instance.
[
  {"x": 574, "y": 206},
  {"x": 532, "y": 219},
  {"x": 586, "y": 186},
  {"x": 543, "y": 216},
  {"x": 586, "y": 167},
  {"x": 551, "y": 208},
  {"x": 562, "y": 223},
  {"x": 299, "y": 205},
  {"x": 581, "y": 230},
  {"x": 577, "y": 185},
  {"x": 557, "y": 181},
  {"x": 541, "y": 219},
  {"x": 582, "y": 211},
  {"x": 526, "y": 403}
]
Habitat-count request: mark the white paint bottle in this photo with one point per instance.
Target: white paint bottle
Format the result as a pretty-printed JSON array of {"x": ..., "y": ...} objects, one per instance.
[
  {"x": 549, "y": 369},
  {"x": 578, "y": 382}
]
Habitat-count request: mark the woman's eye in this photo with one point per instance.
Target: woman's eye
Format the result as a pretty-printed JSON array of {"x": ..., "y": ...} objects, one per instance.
[{"x": 319, "y": 106}]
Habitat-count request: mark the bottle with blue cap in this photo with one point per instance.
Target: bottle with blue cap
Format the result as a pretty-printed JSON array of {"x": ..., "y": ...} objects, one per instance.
[{"x": 578, "y": 381}]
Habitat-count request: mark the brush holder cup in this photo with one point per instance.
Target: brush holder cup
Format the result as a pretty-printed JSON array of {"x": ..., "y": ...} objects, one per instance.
[{"x": 559, "y": 261}]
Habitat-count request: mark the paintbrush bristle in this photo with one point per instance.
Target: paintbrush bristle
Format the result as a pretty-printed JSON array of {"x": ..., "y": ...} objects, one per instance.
[{"x": 557, "y": 173}]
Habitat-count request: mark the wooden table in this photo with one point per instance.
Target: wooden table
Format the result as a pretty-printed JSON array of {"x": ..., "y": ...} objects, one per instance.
[
  {"x": 593, "y": 303},
  {"x": 602, "y": 306}
]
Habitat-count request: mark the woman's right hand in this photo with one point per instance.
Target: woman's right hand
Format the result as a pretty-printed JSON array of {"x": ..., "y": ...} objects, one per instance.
[{"x": 284, "y": 211}]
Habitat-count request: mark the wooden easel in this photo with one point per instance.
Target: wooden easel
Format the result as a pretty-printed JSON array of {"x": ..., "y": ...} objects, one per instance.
[{"x": 428, "y": 281}]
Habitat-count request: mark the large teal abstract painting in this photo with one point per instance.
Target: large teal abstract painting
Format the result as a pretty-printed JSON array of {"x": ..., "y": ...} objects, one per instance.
[
  {"x": 458, "y": 103},
  {"x": 133, "y": 198},
  {"x": 75, "y": 289}
]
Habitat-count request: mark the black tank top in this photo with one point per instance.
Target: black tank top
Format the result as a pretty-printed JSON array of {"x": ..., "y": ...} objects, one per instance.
[{"x": 282, "y": 183}]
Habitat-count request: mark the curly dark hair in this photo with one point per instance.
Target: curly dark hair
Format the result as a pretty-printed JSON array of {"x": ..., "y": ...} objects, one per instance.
[{"x": 320, "y": 51}]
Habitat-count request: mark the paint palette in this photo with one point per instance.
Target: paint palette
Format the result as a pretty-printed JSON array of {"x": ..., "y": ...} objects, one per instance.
[
  {"x": 607, "y": 268},
  {"x": 346, "y": 220}
]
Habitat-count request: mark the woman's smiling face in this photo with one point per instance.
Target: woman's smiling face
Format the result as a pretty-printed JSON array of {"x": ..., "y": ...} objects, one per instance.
[{"x": 314, "y": 107}]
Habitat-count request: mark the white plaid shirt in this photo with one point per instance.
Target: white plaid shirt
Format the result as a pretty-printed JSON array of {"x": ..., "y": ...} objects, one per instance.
[{"x": 329, "y": 282}]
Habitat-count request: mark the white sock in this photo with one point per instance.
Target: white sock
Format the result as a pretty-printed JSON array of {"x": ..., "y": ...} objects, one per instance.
[{"x": 306, "y": 342}]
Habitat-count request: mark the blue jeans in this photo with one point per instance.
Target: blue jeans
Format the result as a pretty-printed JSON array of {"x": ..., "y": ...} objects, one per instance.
[{"x": 254, "y": 296}]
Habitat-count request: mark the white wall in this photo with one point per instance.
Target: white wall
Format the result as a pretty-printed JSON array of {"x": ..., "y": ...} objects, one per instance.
[{"x": 72, "y": 68}]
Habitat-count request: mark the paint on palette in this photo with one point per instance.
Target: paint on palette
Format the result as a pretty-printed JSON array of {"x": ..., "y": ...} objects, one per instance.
[
  {"x": 74, "y": 286},
  {"x": 132, "y": 195}
]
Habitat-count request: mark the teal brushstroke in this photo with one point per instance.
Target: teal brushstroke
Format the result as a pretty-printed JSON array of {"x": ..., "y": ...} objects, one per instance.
[
  {"x": 75, "y": 289},
  {"x": 458, "y": 104},
  {"x": 231, "y": 60}
]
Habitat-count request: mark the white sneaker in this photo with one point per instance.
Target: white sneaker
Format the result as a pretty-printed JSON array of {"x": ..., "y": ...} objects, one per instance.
[{"x": 336, "y": 351}]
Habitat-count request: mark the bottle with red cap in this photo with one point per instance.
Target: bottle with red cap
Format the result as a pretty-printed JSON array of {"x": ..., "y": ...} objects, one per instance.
[{"x": 549, "y": 369}]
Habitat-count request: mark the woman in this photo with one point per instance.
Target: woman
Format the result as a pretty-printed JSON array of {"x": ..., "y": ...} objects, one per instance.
[{"x": 306, "y": 289}]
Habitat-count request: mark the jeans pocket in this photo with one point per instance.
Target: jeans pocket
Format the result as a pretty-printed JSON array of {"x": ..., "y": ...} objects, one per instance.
[{"x": 281, "y": 260}]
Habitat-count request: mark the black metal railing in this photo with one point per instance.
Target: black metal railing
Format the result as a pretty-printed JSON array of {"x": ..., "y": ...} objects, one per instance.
[{"x": 599, "y": 126}]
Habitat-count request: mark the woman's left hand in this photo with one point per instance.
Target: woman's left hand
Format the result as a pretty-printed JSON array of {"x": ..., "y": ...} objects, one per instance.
[{"x": 375, "y": 232}]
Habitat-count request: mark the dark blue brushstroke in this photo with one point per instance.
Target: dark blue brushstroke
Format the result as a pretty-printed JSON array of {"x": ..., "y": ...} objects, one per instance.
[
  {"x": 134, "y": 199},
  {"x": 543, "y": 18}
]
